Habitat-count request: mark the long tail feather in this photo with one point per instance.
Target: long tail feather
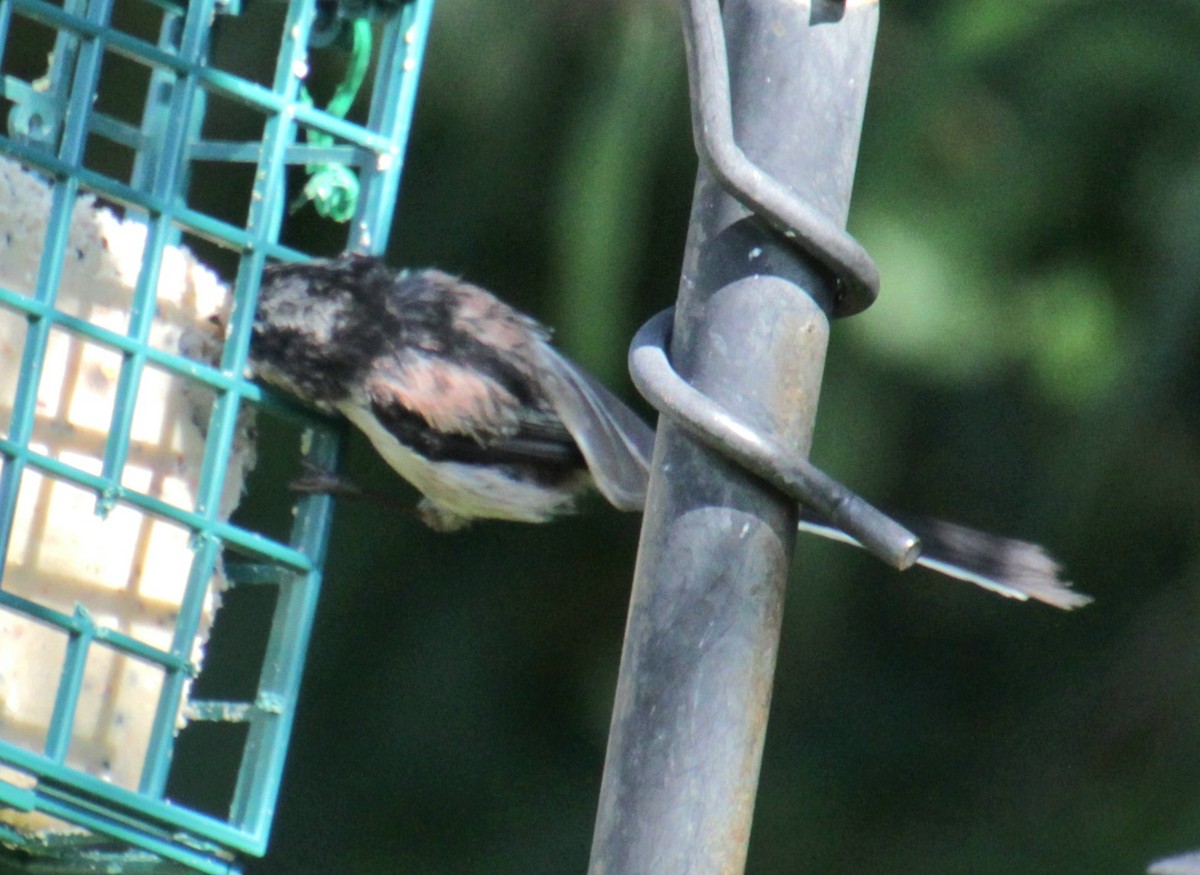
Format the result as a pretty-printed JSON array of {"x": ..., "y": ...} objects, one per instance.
[
  {"x": 1183, "y": 864},
  {"x": 618, "y": 444},
  {"x": 1011, "y": 568}
]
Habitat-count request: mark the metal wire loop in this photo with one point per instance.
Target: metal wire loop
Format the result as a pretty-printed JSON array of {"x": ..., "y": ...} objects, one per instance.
[
  {"x": 657, "y": 380},
  {"x": 755, "y": 188}
]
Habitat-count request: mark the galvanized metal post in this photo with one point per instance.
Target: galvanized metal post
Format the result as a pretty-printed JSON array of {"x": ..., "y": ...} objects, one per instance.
[{"x": 751, "y": 328}]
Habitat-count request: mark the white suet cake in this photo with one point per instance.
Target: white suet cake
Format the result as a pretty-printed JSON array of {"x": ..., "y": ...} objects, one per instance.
[{"x": 128, "y": 570}]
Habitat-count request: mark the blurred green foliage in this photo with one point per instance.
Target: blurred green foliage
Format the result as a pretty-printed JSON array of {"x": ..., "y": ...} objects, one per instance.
[{"x": 1029, "y": 183}]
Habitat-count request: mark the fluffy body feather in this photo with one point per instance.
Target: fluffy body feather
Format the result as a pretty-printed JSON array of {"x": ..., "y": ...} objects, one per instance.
[
  {"x": 462, "y": 395},
  {"x": 467, "y": 400}
]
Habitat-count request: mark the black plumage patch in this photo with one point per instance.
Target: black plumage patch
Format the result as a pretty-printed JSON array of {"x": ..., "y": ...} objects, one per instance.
[
  {"x": 536, "y": 457},
  {"x": 324, "y": 332},
  {"x": 309, "y": 334}
]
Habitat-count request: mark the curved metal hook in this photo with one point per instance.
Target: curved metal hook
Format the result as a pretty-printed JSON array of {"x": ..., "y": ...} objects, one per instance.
[
  {"x": 756, "y": 189},
  {"x": 713, "y": 425}
]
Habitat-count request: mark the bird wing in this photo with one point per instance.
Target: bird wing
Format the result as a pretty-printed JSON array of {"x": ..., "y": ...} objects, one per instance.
[
  {"x": 451, "y": 413},
  {"x": 614, "y": 440}
]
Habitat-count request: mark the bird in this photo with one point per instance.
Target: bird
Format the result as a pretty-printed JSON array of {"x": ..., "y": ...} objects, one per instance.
[{"x": 466, "y": 398}]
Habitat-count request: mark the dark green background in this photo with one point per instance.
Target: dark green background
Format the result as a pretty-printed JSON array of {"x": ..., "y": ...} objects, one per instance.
[{"x": 1029, "y": 183}]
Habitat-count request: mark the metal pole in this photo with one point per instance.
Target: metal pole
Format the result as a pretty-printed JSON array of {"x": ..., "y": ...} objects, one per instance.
[{"x": 750, "y": 331}]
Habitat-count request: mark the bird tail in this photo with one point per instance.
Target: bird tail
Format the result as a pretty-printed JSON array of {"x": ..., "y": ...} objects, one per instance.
[
  {"x": 618, "y": 446},
  {"x": 1011, "y": 568}
]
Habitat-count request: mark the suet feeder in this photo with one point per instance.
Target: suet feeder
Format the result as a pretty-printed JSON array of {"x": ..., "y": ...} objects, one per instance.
[{"x": 151, "y": 644}]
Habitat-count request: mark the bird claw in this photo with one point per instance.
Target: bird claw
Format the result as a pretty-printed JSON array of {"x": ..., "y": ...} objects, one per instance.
[{"x": 316, "y": 480}]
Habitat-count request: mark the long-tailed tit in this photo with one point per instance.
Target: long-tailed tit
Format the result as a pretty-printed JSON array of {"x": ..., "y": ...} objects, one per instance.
[{"x": 467, "y": 400}]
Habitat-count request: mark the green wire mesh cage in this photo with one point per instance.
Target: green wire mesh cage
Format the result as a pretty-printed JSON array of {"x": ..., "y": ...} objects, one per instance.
[{"x": 153, "y": 155}]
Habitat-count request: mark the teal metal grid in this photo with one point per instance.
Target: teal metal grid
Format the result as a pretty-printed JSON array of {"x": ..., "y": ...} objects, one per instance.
[{"x": 56, "y": 126}]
